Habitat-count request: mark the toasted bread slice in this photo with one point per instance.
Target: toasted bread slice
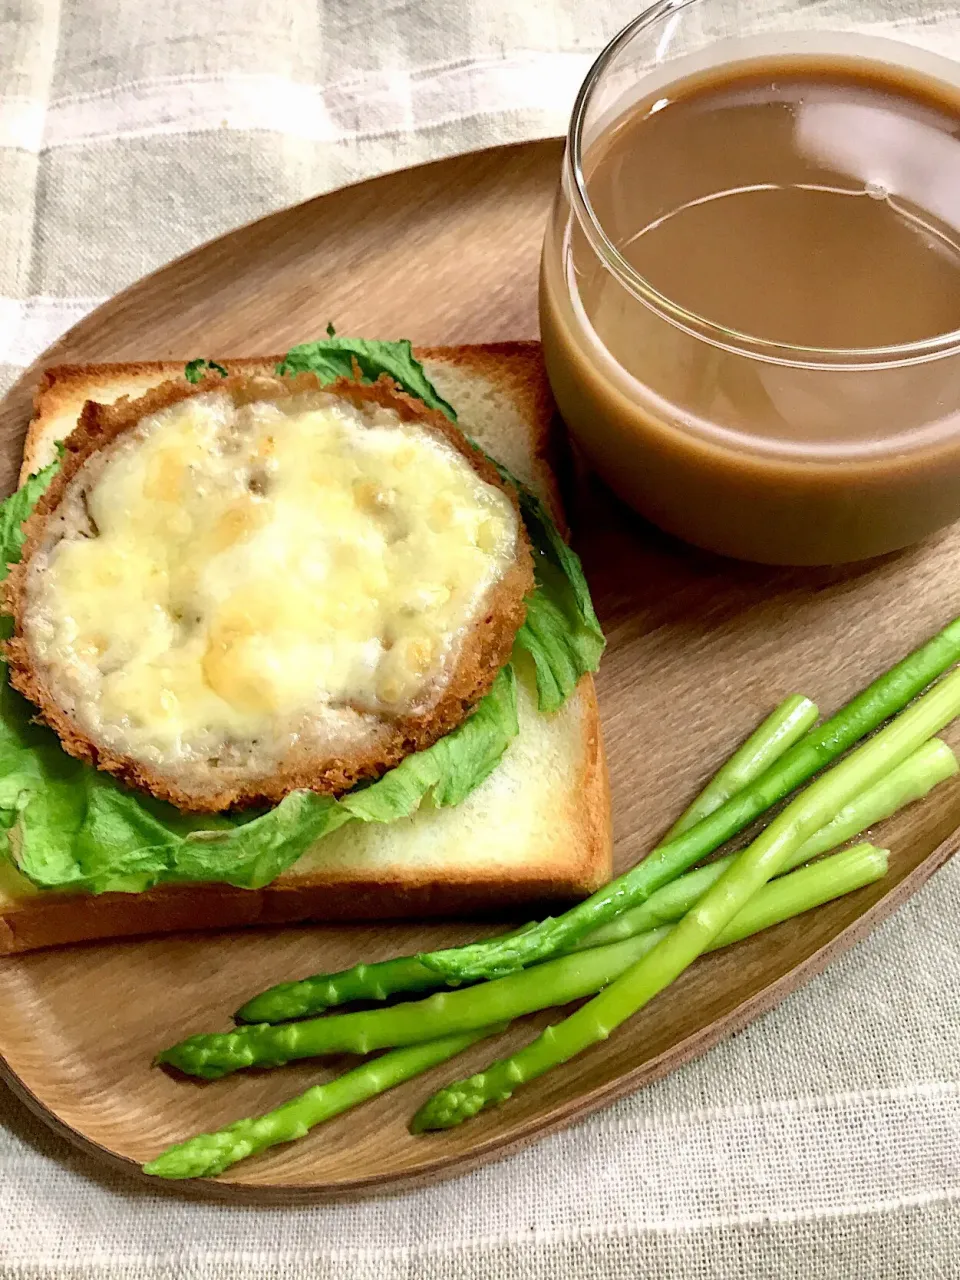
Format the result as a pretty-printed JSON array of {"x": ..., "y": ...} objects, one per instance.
[
  {"x": 536, "y": 831},
  {"x": 436, "y": 591}
]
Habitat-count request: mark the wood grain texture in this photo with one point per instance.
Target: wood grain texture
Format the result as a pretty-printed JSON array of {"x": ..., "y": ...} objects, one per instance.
[{"x": 700, "y": 650}]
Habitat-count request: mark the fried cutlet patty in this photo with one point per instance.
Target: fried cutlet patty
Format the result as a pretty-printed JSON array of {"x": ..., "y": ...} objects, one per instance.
[{"x": 235, "y": 590}]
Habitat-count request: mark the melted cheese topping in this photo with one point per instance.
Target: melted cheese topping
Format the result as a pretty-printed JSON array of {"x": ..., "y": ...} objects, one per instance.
[{"x": 248, "y": 574}]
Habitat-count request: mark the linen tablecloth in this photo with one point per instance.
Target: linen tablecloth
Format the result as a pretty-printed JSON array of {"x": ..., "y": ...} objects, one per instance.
[{"x": 823, "y": 1141}]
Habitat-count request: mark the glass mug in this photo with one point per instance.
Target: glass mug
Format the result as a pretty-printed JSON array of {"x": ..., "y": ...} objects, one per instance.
[{"x": 760, "y": 450}]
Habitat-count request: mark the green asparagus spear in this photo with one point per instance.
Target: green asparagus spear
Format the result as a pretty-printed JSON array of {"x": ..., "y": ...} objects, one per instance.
[
  {"x": 908, "y": 782},
  {"x": 887, "y": 695},
  {"x": 777, "y": 734},
  {"x": 749, "y": 871},
  {"x": 932, "y": 764},
  {"x": 555, "y": 982},
  {"x": 804, "y": 889},
  {"x": 446, "y": 1013},
  {"x": 210, "y": 1153},
  {"x": 777, "y": 901},
  {"x": 377, "y": 981},
  {"x": 792, "y": 894}
]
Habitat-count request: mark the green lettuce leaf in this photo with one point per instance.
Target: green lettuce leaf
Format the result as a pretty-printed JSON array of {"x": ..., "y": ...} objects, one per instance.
[
  {"x": 255, "y": 852},
  {"x": 15, "y": 510},
  {"x": 85, "y": 833},
  {"x": 69, "y": 826},
  {"x": 561, "y": 632},
  {"x": 335, "y": 357},
  {"x": 194, "y": 370},
  {"x": 449, "y": 770}
]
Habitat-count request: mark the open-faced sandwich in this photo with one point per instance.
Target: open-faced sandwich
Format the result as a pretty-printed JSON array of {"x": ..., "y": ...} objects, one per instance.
[{"x": 294, "y": 639}]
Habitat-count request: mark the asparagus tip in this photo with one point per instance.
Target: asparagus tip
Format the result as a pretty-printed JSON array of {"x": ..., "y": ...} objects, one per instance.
[
  {"x": 251, "y": 1013},
  {"x": 190, "y": 1061},
  {"x": 274, "y": 1005},
  {"x": 453, "y": 1104},
  {"x": 200, "y": 1157},
  {"x": 447, "y": 1108}
]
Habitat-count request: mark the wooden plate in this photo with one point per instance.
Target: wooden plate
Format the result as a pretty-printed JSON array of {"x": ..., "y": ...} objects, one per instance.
[{"x": 700, "y": 649}]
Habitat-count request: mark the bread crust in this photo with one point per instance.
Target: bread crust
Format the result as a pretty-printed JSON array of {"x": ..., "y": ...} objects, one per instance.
[{"x": 484, "y": 651}]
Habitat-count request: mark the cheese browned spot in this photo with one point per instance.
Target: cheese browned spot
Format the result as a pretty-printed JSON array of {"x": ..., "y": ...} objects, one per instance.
[{"x": 235, "y": 579}]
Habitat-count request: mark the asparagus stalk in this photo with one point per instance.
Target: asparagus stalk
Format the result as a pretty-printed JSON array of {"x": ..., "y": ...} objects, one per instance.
[
  {"x": 802, "y": 890},
  {"x": 908, "y": 782},
  {"x": 778, "y": 901},
  {"x": 792, "y": 894},
  {"x": 555, "y": 982},
  {"x": 210, "y": 1153},
  {"x": 749, "y": 871},
  {"x": 377, "y": 981},
  {"x": 932, "y": 764},
  {"x": 912, "y": 780},
  {"x": 883, "y": 698},
  {"x": 446, "y": 1013},
  {"x": 785, "y": 726}
]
